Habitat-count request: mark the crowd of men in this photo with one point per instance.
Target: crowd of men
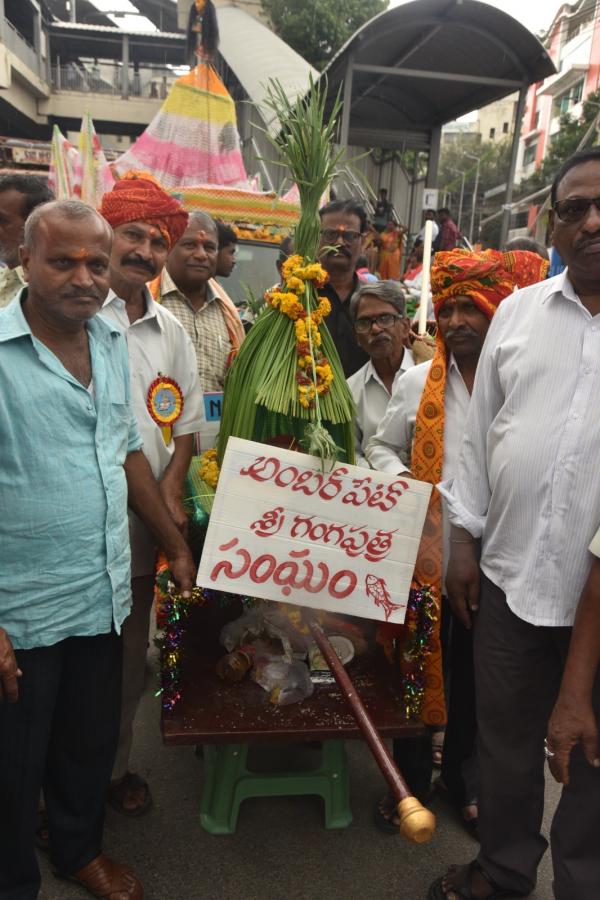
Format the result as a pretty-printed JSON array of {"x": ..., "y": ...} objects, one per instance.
[{"x": 103, "y": 313}]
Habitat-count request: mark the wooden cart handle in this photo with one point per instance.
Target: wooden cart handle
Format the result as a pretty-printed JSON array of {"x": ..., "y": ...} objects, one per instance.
[{"x": 417, "y": 824}]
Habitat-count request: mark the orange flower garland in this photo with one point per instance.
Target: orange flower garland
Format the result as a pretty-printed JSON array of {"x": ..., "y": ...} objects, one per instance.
[{"x": 315, "y": 374}]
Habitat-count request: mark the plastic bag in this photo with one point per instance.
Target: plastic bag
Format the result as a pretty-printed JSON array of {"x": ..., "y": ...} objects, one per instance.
[{"x": 286, "y": 682}]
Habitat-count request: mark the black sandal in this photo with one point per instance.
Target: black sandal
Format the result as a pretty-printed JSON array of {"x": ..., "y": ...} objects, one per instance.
[
  {"x": 464, "y": 890},
  {"x": 118, "y": 789}
]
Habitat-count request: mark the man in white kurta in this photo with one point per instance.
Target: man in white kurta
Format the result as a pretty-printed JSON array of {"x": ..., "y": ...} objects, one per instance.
[
  {"x": 378, "y": 313},
  {"x": 167, "y": 400}
]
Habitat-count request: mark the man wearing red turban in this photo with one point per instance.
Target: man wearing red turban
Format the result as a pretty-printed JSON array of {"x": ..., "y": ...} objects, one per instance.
[
  {"x": 139, "y": 196},
  {"x": 167, "y": 402},
  {"x": 422, "y": 432}
]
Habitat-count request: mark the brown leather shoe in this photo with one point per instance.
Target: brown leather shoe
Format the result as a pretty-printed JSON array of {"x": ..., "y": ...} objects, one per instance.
[{"x": 108, "y": 880}]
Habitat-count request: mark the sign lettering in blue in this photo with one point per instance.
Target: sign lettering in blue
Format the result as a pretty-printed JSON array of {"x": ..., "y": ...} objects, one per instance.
[{"x": 213, "y": 406}]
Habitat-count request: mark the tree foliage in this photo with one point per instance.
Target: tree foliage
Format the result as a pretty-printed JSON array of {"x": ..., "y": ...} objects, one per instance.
[
  {"x": 494, "y": 163},
  {"x": 317, "y": 29}
]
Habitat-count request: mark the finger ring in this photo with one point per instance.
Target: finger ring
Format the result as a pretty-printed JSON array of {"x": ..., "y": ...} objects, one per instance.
[{"x": 548, "y": 753}]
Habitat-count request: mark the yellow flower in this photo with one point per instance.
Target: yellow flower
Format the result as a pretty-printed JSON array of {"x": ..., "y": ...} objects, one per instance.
[
  {"x": 295, "y": 284},
  {"x": 324, "y": 307},
  {"x": 291, "y": 263}
]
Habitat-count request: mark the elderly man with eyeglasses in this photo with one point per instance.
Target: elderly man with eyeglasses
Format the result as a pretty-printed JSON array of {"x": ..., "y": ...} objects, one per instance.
[
  {"x": 343, "y": 228},
  {"x": 381, "y": 326},
  {"x": 524, "y": 506}
]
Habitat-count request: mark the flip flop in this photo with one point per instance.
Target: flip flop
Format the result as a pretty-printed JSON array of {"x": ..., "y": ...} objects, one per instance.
[
  {"x": 115, "y": 795},
  {"x": 464, "y": 890},
  {"x": 382, "y": 821}
]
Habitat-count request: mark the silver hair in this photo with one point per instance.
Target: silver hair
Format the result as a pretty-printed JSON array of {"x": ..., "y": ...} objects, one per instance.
[
  {"x": 203, "y": 219},
  {"x": 386, "y": 291},
  {"x": 74, "y": 210}
]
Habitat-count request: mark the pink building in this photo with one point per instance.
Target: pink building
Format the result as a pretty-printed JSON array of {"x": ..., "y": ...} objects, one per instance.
[{"x": 573, "y": 43}]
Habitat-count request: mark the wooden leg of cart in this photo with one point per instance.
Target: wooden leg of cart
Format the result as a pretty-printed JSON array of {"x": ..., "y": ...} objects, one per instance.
[{"x": 417, "y": 824}]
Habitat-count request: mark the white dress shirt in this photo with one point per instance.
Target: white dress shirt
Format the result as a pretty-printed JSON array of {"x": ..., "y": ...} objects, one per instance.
[
  {"x": 529, "y": 475},
  {"x": 390, "y": 448},
  {"x": 371, "y": 397},
  {"x": 157, "y": 345},
  {"x": 595, "y": 545},
  {"x": 434, "y": 233}
]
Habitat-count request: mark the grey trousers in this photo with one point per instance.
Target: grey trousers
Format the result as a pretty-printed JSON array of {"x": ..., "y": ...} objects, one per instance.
[
  {"x": 518, "y": 667},
  {"x": 135, "y": 631}
]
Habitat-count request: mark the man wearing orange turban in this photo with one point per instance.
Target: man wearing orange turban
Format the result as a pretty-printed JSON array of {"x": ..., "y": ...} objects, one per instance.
[
  {"x": 422, "y": 432},
  {"x": 167, "y": 401}
]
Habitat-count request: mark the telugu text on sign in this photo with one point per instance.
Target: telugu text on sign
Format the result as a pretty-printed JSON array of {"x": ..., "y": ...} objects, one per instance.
[{"x": 344, "y": 540}]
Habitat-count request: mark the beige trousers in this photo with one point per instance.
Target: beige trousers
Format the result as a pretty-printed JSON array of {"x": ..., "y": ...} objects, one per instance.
[{"x": 135, "y": 630}]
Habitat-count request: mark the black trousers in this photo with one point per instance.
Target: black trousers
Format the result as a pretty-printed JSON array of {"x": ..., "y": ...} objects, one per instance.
[
  {"x": 460, "y": 769},
  {"x": 61, "y": 736},
  {"x": 518, "y": 667}
]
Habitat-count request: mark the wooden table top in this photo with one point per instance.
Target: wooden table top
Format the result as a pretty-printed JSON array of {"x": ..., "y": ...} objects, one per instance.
[{"x": 212, "y": 711}]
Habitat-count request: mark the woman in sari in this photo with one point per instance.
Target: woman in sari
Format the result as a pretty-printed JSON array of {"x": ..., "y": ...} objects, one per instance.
[{"x": 390, "y": 251}]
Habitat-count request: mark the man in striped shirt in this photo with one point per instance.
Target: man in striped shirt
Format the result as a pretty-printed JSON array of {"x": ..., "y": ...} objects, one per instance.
[
  {"x": 524, "y": 507},
  {"x": 188, "y": 289}
]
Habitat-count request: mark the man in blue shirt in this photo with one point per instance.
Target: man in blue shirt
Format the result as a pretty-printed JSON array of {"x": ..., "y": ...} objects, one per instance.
[{"x": 71, "y": 462}]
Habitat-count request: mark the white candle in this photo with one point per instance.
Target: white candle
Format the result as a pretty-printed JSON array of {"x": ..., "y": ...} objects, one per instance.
[{"x": 427, "y": 239}]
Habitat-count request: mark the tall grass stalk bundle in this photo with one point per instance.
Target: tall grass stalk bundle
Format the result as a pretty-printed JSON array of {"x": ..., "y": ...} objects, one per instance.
[{"x": 261, "y": 391}]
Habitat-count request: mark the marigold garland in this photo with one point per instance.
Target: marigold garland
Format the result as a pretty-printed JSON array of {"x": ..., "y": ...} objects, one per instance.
[
  {"x": 315, "y": 375},
  {"x": 209, "y": 468}
]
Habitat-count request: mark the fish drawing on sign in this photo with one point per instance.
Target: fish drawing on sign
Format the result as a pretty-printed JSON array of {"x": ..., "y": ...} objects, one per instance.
[{"x": 377, "y": 591}]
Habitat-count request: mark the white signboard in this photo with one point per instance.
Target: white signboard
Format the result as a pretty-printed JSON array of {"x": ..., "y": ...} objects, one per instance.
[
  {"x": 344, "y": 540},
  {"x": 430, "y": 198}
]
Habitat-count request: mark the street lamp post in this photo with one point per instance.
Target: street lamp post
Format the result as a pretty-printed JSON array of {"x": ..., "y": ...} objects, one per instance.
[
  {"x": 474, "y": 205},
  {"x": 462, "y": 194}
]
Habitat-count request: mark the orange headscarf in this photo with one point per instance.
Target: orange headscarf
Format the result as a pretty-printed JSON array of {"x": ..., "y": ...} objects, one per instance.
[
  {"x": 138, "y": 197},
  {"x": 487, "y": 278}
]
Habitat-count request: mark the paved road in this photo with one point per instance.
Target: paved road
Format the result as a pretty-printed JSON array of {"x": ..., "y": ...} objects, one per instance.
[{"x": 281, "y": 850}]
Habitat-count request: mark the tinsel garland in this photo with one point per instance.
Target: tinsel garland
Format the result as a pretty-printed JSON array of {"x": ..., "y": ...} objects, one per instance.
[
  {"x": 421, "y": 616},
  {"x": 174, "y": 610}
]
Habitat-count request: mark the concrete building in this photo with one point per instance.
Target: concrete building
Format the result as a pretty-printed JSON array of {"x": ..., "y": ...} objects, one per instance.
[
  {"x": 573, "y": 43},
  {"x": 496, "y": 122},
  {"x": 53, "y": 70}
]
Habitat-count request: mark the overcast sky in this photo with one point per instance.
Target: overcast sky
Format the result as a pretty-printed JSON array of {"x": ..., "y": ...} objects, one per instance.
[{"x": 534, "y": 14}]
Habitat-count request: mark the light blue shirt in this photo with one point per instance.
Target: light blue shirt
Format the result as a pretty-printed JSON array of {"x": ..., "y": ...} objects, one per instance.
[{"x": 64, "y": 540}]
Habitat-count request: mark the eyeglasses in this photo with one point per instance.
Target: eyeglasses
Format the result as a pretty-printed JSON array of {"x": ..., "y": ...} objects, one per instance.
[
  {"x": 337, "y": 235},
  {"x": 575, "y": 208},
  {"x": 364, "y": 325}
]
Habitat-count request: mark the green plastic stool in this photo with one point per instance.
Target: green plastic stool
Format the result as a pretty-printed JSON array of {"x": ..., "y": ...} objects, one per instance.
[{"x": 228, "y": 781}]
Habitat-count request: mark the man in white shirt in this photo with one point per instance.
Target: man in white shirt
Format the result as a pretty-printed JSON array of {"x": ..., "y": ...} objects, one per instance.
[
  {"x": 167, "y": 402},
  {"x": 429, "y": 216},
  {"x": 467, "y": 289},
  {"x": 524, "y": 507},
  {"x": 381, "y": 326}
]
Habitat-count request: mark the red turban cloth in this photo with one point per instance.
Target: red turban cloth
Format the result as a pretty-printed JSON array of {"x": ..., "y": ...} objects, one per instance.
[
  {"x": 487, "y": 277},
  {"x": 138, "y": 197}
]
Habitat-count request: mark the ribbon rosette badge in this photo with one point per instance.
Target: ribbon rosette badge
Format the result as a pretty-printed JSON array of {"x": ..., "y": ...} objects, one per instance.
[{"x": 165, "y": 404}]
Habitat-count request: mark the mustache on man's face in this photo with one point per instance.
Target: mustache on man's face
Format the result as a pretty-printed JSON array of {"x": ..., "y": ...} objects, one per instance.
[
  {"x": 138, "y": 262},
  {"x": 82, "y": 295},
  {"x": 463, "y": 332}
]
